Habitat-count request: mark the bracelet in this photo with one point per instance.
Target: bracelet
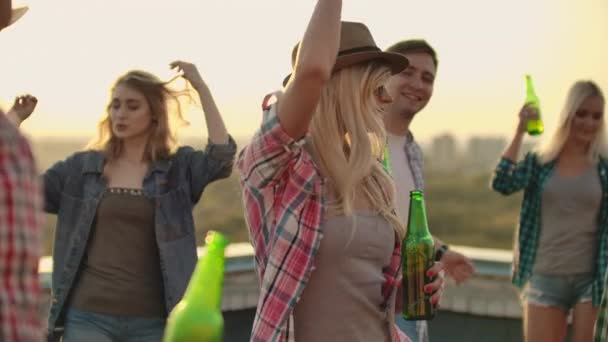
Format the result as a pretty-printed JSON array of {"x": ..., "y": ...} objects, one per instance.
[{"x": 441, "y": 251}]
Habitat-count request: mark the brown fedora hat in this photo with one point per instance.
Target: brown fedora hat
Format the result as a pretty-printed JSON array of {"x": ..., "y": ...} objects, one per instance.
[
  {"x": 15, "y": 14},
  {"x": 358, "y": 46}
]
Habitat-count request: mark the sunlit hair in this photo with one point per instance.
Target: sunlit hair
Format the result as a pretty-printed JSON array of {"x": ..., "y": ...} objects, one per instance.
[
  {"x": 165, "y": 109},
  {"x": 578, "y": 93},
  {"x": 348, "y": 136}
]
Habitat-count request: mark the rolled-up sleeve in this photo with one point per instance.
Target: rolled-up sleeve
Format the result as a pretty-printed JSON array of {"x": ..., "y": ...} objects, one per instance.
[
  {"x": 270, "y": 154},
  {"x": 203, "y": 167},
  {"x": 510, "y": 177}
]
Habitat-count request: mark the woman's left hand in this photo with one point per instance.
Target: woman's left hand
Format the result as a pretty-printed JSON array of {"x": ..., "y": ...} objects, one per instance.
[
  {"x": 437, "y": 274},
  {"x": 190, "y": 73}
]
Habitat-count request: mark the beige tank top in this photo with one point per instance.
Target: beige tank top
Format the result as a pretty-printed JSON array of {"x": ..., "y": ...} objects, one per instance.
[{"x": 343, "y": 299}]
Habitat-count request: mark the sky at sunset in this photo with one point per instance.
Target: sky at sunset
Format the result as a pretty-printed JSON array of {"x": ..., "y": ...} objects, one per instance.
[{"x": 68, "y": 53}]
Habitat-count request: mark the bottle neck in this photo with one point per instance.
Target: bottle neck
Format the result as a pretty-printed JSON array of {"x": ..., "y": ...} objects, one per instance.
[
  {"x": 530, "y": 88},
  {"x": 205, "y": 288},
  {"x": 417, "y": 223}
]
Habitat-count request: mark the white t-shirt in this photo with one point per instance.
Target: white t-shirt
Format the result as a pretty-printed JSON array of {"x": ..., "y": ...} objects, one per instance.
[{"x": 402, "y": 174}]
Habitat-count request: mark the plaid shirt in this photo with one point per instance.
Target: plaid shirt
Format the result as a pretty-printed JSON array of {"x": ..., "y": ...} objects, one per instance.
[
  {"x": 601, "y": 325},
  {"x": 416, "y": 161},
  {"x": 282, "y": 195},
  {"x": 20, "y": 223},
  {"x": 530, "y": 175}
]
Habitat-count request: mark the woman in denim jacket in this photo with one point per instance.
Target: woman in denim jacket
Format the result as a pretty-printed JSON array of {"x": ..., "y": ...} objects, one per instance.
[
  {"x": 124, "y": 245},
  {"x": 561, "y": 250}
]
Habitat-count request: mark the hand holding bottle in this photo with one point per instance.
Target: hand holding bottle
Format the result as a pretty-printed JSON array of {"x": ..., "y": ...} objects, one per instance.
[
  {"x": 527, "y": 113},
  {"x": 534, "y": 124}
]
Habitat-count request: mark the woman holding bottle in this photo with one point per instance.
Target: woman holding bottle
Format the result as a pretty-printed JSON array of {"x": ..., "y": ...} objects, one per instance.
[
  {"x": 561, "y": 249},
  {"x": 319, "y": 205}
]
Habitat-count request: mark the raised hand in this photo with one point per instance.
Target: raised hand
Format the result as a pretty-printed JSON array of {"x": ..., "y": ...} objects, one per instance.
[
  {"x": 23, "y": 107},
  {"x": 190, "y": 73},
  {"x": 526, "y": 113}
]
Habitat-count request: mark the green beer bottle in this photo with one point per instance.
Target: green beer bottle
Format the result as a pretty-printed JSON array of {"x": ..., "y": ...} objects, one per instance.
[
  {"x": 198, "y": 316},
  {"x": 417, "y": 253},
  {"x": 386, "y": 160},
  {"x": 533, "y": 126}
]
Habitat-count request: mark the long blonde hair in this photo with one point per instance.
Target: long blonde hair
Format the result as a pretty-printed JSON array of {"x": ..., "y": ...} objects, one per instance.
[
  {"x": 348, "y": 136},
  {"x": 578, "y": 93},
  {"x": 165, "y": 108}
]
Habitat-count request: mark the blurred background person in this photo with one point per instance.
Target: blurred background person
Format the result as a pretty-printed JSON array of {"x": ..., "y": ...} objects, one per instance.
[{"x": 560, "y": 249}]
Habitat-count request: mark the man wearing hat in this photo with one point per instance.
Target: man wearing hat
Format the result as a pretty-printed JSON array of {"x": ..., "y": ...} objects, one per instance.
[
  {"x": 21, "y": 220},
  {"x": 410, "y": 91}
]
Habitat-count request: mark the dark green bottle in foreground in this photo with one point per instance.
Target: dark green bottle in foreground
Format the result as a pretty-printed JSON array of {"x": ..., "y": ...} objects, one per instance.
[
  {"x": 417, "y": 253},
  {"x": 533, "y": 126},
  {"x": 198, "y": 316}
]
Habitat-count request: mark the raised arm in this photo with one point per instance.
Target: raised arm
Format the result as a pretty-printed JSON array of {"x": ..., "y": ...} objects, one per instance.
[
  {"x": 511, "y": 176},
  {"x": 316, "y": 57},
  {"x": 216, "y": 130},
  {"x": 512, "y": 151},
  {"x": 22, "y": 108}
]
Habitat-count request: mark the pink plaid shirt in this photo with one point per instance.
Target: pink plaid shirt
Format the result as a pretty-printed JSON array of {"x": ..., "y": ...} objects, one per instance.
[
  {"x": 21, "y": 220},
  {"x": 282, "y": 195}
]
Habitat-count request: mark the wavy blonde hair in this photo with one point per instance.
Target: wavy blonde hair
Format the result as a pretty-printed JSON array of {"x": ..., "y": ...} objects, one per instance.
[
  {"x": 577, "y": 94},
  {"x": 165, "y": 108},
  {"x": 348, "y": 136}
]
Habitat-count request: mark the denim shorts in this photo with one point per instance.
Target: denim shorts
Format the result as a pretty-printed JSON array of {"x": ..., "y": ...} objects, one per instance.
[
  {"x": 417, "y": 331},
  {"x": 558, "y": 291},
  {"x": 94, "y": 327}
]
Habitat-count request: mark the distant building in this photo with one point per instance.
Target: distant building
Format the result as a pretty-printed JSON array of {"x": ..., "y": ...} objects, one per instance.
[
  {"x": 483, "y": 152},
  {"x": 443, "y": 154}
]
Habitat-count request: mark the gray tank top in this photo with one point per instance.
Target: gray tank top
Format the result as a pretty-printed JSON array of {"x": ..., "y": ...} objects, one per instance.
[
  {"x": 569, "y": 214},
  {"x": 120, "y": 274},
  {"x": 343, "y": 299}
]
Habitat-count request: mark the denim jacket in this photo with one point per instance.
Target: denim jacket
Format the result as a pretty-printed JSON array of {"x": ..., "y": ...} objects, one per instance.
[{"x": 73, "y": 189}]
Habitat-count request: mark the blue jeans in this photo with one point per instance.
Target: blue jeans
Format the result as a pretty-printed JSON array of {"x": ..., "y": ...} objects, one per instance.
[
  {"x": 558, "y": 291},
  {"x": 94, "y": 327},
  {"x": 417, "y": 331}
]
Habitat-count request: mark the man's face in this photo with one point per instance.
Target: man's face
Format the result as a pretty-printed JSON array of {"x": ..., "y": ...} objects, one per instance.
[{"x": 412, "y": 88}]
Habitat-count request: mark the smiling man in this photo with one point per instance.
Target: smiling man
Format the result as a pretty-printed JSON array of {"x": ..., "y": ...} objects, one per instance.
[{"x": 411, "y": 90}]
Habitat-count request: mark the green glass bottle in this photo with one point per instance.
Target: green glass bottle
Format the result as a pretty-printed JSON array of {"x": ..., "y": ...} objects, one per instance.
[
  {"x": 386, "y": 160},
  {"x": 198, "y": 316},
  {"x": 417, "y": 253},
  {"x": 533, "y": 126}
]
